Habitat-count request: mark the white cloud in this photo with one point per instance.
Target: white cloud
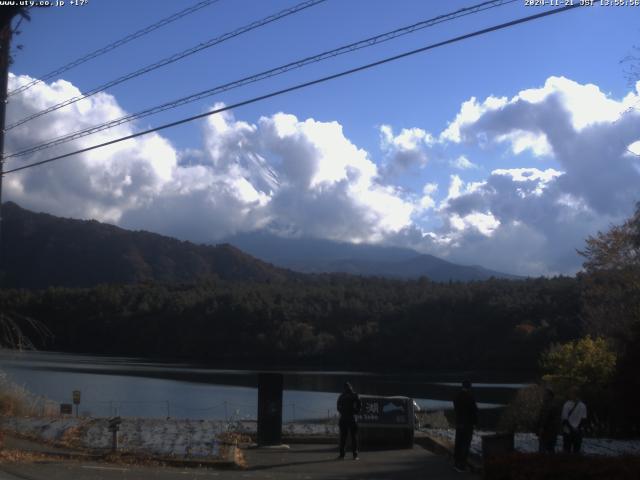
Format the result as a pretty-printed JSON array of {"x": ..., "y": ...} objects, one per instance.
[
  {"x": 315, "y": 153},
  {"x": 427, "y": 202},
  {"x": 469, "y": 113},
  {"x": 485, "y": 223},
  {"x": 463, "y": 163},
  {"x": 521, "y": 140},
  {"x": 586, "y": 131},
  {"x": 299, "y": 176},
  {"x": 536, "y": 218},
  {"x": 634, "y": 148},
  {"x": 585, "y": 103},
  {"x": 294, "y": 177},
  {"x": 305, "y": 177},
  {"x": 406, "y": 150},
  {"x": 101, "y": 184},
  {"x": 536, "y": 180},
  {"x": 458, "y": 188},
  {"x": 455, "y": 187}
]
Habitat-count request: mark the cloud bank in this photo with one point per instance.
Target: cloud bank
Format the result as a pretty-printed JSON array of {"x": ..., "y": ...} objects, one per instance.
[
  {"x": 304, "y": 177},
  {"x": 294, "y": 177},
  {"x": 539, "y": 217}
]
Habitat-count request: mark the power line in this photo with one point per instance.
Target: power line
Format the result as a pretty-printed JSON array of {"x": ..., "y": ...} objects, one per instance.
[
  {"x": 371, "y": 41},
  {"x": 626, "y": 111},
  {"x": 173, "y": 58},
  {"x": 306, "y": 84},
  {"x": 114, "y": 45}
]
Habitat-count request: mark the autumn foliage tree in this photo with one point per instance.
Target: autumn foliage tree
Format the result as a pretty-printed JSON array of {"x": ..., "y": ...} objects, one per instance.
[
  {"x": 586, "y": 362},
  {"x": 611, "y": 306},
  {"x": 611, "y": 279}
]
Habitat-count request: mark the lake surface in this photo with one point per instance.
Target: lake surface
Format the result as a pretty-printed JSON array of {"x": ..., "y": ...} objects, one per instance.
[{"x": 137, "y": 387}]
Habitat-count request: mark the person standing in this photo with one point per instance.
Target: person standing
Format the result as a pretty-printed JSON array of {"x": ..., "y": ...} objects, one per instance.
[
  {"x": 349, "y": 405},
  {"x": 548, "y": 424},
  {"x": 466, "y": 418},
  {"x": 574, "y": 416}
]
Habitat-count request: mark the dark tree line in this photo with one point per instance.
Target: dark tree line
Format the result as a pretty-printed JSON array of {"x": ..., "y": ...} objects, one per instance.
[{"x": 324, "y": 321}]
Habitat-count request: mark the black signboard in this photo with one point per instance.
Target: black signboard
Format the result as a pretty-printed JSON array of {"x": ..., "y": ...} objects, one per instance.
[
  {"x": 114, "y": 424},
  {"x": 386, "y": 421},
  {"x": 385, "y": 411},
  {"x": 66, "y": 409}
]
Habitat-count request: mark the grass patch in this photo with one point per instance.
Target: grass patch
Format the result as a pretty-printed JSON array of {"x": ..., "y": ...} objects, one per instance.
[
  {"x": 20, "y": 456},
  {"x": 17, "y": 401}
]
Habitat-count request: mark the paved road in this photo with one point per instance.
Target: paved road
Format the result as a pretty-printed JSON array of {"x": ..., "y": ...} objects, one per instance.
[{"x": 304, "y": 462}]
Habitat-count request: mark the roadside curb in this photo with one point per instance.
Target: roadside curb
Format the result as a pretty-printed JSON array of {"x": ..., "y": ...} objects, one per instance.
[
  {"x": 310, "y": 439},
  {"x": 44, "y": 447},
  {"x": 434, "y": 444},
  {"x": 444, "y": 447},
  {"x": 231, "y": 459}
]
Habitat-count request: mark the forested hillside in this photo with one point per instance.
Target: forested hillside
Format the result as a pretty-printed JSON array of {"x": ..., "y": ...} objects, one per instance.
[
  {"x": 326, "y": 320},
  {"x": 40, "y": 250}
]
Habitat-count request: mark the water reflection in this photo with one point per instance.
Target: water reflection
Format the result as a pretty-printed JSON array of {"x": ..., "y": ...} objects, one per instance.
[{"x": 135, "y": 387}]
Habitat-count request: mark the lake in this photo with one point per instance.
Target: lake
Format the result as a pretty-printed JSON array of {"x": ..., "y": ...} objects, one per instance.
[{"x": 137, "y": 387}]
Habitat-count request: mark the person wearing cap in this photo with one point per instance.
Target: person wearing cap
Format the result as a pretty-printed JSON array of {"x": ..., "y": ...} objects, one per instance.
[
  {"x": 348, "y": 406},
  {"x": 548, "y": 422},
  {"x": 466, "y": 417}
]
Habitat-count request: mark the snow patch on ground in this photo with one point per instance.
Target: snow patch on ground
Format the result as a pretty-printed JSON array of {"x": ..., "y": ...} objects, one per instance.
[
  {"x": 202, "y": 438},
  {"x": 172, "y": 437},
  {"x": 528, "y": 443},
  {"x": 289, "y": 428}
]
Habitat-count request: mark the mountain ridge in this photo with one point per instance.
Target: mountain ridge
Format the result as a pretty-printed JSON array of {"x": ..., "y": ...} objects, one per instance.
[
  {"x": 41, "y": 250},
  {"x": 312, "y": 255}
]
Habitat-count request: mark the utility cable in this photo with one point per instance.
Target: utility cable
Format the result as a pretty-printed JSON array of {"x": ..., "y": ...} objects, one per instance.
[
  {"x": 306, "y": 84},
  {"x": 114, "y": 45},
  {"x": 173, "y": 58},
  {"x": 371, "y": 41}
]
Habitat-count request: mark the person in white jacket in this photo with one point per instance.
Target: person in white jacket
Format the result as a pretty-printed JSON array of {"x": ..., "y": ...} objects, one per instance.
[{"x": 574, "y": 416}]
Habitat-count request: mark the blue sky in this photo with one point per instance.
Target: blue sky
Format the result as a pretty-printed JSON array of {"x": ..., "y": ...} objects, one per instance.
[{"x": 375, "y": 157}]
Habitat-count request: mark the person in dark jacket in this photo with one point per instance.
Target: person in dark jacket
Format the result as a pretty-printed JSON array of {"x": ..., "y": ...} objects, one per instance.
[
  {"x": 466, "y": 417},
  {"x": 548, "y": 424},
  {"x": 348, "y": 406}
]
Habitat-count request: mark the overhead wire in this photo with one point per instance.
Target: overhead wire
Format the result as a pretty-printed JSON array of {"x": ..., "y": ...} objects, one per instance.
[
  {"x": 112, "y": 46},
  {"x": 300, "y": 86},
  {"x": 171, "y": 59},
  {"x": 368, "y": 42}
]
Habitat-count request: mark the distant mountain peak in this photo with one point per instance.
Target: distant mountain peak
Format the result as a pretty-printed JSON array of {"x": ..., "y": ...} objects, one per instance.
[
  {"x": 41, "y": 250},
  {"x": 313, "y": 255}
]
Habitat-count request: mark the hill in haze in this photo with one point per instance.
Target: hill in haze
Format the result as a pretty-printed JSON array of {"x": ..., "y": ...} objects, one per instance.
[
  {"x": 41, "y": 250},
  {"x": 310, "y": 255}
]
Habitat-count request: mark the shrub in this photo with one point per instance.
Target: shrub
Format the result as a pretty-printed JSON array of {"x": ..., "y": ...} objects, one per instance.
[
  {"x": 522, "y": 413},
  {"x": 18, "y": 401}
]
